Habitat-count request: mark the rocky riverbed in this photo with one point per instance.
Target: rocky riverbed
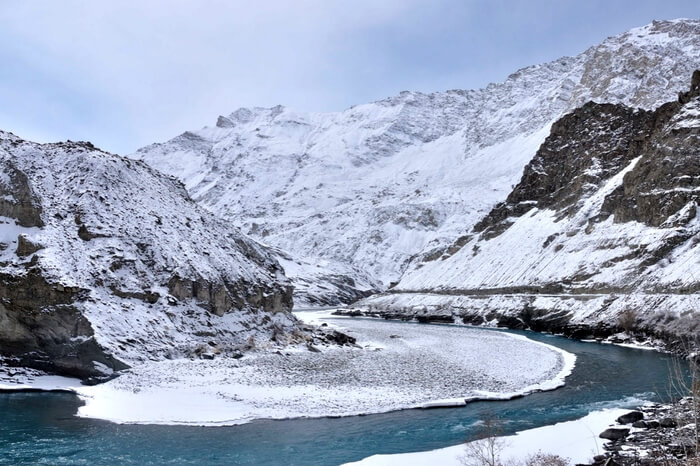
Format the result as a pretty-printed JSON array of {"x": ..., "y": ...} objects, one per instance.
[{"x": 657, "y": 434}]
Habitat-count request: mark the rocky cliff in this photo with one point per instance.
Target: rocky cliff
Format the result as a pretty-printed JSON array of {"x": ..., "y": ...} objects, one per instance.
[
  {"x": 350, "y": 198},
  {"x": 105, "y": 262},
  {"x": 602, "y": 225}
]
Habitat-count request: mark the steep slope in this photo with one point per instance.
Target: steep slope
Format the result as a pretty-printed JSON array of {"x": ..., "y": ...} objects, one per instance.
[
  {"x": 354, "y": 196},
  {"x": 604, "y": 219},
  {"x": 105, "y": 262}
]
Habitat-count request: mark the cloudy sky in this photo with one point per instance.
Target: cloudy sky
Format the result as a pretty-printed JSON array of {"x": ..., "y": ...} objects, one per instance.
[{"x": 123, "y": 74}]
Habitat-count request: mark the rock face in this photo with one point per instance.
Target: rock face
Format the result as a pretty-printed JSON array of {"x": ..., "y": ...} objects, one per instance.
[
  {"x": 105, "y": 262},
  {"x": 361, "y": 194},
  {"x": 603, "y": 221}
]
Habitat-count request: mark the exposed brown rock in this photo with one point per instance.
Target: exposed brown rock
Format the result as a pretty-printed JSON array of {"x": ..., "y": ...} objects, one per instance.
[
  {"x": 41, "y": 326},
  {"x": 17, "y": 199},
  {"x": 221, "y": 298},
  {"x": 593, "y": 143},
  {"x": 25, "y": 246}
]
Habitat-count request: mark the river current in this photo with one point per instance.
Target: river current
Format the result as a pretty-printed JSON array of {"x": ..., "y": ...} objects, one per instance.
[{"x": 40, "y": 428}]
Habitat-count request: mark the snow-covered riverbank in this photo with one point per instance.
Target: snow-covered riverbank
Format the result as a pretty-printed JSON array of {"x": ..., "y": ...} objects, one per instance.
[
  {"x": 395, "y": 366},
  {"x": 576, "y": 441}
]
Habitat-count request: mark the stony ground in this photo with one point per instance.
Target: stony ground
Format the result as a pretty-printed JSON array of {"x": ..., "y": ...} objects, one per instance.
[{"x": 662, "y": 434}]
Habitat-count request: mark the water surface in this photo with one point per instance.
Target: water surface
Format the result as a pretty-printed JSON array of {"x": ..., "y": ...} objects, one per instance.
[{"x": 40, "y": 428}]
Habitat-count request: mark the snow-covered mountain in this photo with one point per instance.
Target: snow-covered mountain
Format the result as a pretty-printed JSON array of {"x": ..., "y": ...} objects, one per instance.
[
  {"x": 604, "y": 220},
  {"x": 105, "y": 262},
  {"x": 351, "y": 198}
]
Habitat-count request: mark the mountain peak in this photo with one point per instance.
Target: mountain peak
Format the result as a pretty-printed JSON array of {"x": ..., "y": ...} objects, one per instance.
[{"x": 367, "y": 189}]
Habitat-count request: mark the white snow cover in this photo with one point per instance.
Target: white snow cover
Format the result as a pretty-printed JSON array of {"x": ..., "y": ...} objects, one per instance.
[
  {"x": 364, "y": 190},
  {"x": 575, "y": 440},
  {"x": 588, "y": 309},
  {"x": 398, "y": 366},
  {"x": 517, "y": 256},
  {"x": 145, "y": 231},
  {"x": 605, "y": 264},
  {"x": 28, "y": 379}
]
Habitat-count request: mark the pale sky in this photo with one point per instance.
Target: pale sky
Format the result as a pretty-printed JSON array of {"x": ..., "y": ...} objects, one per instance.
[{"x": 124, "y": 74}]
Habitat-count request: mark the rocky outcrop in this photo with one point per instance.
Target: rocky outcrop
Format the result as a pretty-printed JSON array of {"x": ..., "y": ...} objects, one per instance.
[
  {"x": 666, "y": 437},
  {"x": 595, "y": 142},
  {"x": 16, "y": 197},
  {"x": 221, "y": 297},
  {"x": 26, "y": 247},
  {"x": 602, "y": 224},
  {"x": 105, "y": 263},
  {"x": 584, "y": 148},
  {"x": 42, "y": 326}
]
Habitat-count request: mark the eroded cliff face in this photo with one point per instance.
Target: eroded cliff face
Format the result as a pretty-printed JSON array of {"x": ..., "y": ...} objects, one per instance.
[
  {"x": 603, "y": 221},
  {"x": 42, "y": 327},
  {"x": 584, "y": 148},
  {"x": 105, "y": 262},
  {"x": 666, "y": 179}
]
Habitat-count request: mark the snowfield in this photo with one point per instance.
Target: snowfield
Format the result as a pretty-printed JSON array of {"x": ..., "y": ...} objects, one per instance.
[{"x": 394, "y": 366}]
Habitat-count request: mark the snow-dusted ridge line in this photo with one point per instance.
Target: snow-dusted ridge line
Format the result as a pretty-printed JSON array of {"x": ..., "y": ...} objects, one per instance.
[
  {"x": 218, "y": 393},
  {"x": 581, "y": 242},
  {"x": 364, "y": 191}
]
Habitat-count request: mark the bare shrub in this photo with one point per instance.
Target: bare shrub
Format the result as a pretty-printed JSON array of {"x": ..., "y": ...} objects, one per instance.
[
  {"x": 627, "y": 320},
  {"x": 546, "y": 459},
  {"x": 687, "y": 383},
  {"x": 487, "y": 451}
]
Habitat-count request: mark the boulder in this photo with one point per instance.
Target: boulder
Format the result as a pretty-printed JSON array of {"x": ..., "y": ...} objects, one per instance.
[
  {"x": 629, "y": 418},
  {"x": 25, "y": 246},
  {"x": 668, "y": 422},
  {"x": 340, "y": 338},
  {"x": 646, "y": 424},
  {"x": 615, "y": 433}
]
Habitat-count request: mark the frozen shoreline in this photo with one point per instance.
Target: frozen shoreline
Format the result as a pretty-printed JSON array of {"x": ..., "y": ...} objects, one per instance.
[{"x": 400, "y": 366}]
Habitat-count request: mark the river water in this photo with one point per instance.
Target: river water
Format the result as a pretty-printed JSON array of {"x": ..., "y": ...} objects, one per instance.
[{"x": 40, "y": 428}]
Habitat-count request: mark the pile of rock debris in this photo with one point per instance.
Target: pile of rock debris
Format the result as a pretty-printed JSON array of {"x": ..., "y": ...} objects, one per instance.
[{"x": 657, "y": 434}]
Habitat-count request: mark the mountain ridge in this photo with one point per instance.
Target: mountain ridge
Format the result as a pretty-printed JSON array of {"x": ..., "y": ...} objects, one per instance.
[
  {"x": 366, "y": 191},
  {"x": 602, "y": 226}
]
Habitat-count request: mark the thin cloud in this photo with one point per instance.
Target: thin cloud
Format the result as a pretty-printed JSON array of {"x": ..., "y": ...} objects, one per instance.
[{"x": 127, "y": 73}]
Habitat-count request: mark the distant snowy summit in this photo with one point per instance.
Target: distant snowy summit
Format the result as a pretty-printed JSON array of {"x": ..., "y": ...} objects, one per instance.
[
  {"x": 105, "y": 262},
  {"x": 354, "y": 199}
]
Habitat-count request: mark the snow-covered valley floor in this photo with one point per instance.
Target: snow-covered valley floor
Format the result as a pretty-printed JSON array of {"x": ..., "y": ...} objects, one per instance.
[{"x": 394, "y": 366}]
